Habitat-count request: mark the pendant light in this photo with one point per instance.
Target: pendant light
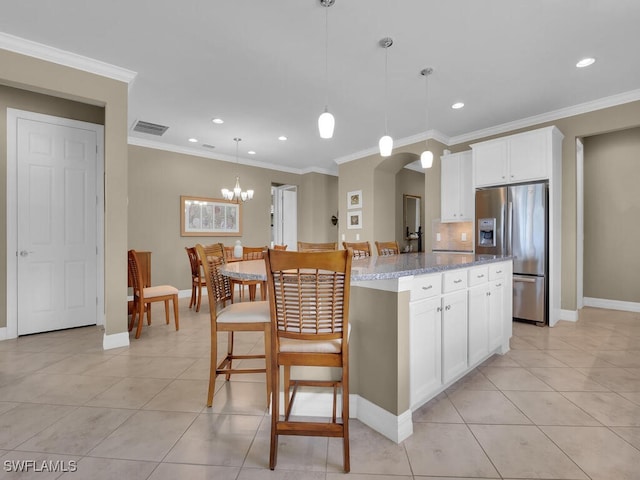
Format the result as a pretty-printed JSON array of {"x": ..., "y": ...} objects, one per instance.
[
  {"x": 386, "y": 142},
  {"x": 426, "y": 158},
  {"x": 326, "y": 122},
  {"x": 237, "y": 194}
]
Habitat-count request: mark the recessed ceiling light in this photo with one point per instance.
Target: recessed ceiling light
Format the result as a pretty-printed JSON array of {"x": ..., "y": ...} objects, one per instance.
[
  {"x": 251, "y": 152},
  {"x": 193, "y": 140},
  {"x": 457, "y": 105},
  {"x": 282, "y": 137},
  {"x": 217, "y": 120},
  {"x": 585, "y": 62}
]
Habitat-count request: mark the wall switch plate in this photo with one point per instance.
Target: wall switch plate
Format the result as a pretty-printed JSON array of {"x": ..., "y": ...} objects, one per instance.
[
  {"x": 463, "y": 237},
  {"x": 357, "y": 237},
  {"x": 438, "y": 237},
  {"x": 343, "y": 237}
]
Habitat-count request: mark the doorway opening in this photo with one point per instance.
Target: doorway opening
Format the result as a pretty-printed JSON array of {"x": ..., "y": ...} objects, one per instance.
[{"x": 284, "y": 215}]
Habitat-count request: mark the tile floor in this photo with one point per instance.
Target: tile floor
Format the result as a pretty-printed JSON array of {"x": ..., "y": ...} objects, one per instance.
[{"x": 564, "y": 403}]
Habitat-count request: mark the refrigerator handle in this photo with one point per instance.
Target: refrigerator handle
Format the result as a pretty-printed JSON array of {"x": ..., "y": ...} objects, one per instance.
[{"x": 509, "y": 228}]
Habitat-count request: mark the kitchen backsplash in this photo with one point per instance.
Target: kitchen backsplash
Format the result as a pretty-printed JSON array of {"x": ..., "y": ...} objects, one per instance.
[{"x": 452, "y": 236}]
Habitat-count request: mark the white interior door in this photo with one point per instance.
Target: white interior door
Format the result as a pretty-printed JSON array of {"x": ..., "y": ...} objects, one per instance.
[
  {"x": 286, "y": 216},
  {"x": 57, "y": 250}
]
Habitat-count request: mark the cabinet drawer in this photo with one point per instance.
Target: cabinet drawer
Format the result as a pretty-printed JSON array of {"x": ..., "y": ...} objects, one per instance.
[
  {"x": 496, "y": 271},
  {"x": 478, "y": 275},
  {"x": 455, "y": 280},
  {"x": 425, "y": 286}
]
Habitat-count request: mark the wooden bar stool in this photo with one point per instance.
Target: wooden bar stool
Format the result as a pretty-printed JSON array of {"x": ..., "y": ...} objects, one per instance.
[
  {"x": 309, "y": 303},
  {"x": 360, "y": 249},
  {"x": 388, "y": 248}
]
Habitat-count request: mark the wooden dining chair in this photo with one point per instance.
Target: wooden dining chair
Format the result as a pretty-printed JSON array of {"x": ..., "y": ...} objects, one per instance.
[
  {"x": 387, "y": 248},
  {"x": 144, "y": 296},
  {"x": 360, "y": 249},
  {"x": 280, "y": 247},
  {"x": 251, "y": 253},
  {"x": 317, "y": 247},
  {"x": 236, "y": 317},
  {"x": 309, "y": 302},
  {"x": 197, "y": 279}
]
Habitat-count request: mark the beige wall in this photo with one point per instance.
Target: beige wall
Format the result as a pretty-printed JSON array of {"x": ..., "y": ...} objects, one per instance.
[
  {"x": 36, "y": 75},
  {"x": 317, "y": 203},
  {"x": 611, "y": 216},
  {"x": 157, "y": 179}
]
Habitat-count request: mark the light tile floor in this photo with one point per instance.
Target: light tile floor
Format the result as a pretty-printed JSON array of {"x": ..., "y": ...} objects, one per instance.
[{"x": 564, "y": 403}]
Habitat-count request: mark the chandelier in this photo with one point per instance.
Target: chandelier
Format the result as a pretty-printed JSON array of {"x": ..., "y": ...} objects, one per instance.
[{"x": 237, "y": 194}]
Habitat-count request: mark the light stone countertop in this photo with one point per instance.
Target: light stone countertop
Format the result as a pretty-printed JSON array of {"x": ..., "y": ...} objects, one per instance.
[{"x": 380, "y": 268}]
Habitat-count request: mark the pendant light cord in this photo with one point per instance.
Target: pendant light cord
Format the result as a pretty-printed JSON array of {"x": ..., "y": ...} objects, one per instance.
[
  {"x": 426, "y": 110},
  {"x": 326, "y": 55},
  {"x": 386, "y": 87}
]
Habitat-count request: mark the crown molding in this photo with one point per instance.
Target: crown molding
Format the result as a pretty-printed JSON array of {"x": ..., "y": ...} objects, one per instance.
[
  {"x": 402, "y": 142},
  {"x": 68, "y": 59},
  {"x": 142, "y": 142},
  {"x": 587, "y": 107}
]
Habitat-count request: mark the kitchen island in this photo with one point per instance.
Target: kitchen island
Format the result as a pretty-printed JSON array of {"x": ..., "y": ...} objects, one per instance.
[{"x": 420, "y": 322}]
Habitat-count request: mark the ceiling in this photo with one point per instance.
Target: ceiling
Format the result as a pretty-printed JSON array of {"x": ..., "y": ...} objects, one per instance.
[{"x": 260, "y": 66}]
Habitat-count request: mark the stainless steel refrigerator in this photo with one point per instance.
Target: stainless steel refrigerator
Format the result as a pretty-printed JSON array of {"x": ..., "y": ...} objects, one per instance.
[{"x": 513, "y": 220}]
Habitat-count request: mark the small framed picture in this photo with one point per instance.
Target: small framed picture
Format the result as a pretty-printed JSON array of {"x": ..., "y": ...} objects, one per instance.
[
  {"x": 354, "y": 199},
  {"x": 354, "y": 219}
]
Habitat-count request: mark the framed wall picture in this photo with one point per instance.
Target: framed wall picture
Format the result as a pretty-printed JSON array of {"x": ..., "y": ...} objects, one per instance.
[
  {"x": 354, "y": 199},
  {"x": 354, "y": 219},
  {"x": 209, "y": 217}
]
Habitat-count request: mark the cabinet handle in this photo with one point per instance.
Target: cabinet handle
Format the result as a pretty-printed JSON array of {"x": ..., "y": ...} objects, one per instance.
[
  {"x": 439, "y": 309},
  {"x": 481, "y": 275},
  {"x": 498, "y": 284},
  {"x": 448, "y": 307},
  {"x": 457, "y": 281},
  {"x": 498, "y": 271},
  {"x": 427, "y": 287}
]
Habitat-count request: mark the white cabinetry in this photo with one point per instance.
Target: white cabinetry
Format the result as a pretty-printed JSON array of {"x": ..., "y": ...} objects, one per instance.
[
  {"x": 456, "y": 183},
  {"x": 516, "y": 158},
  {"x": 455, "y": 322}
]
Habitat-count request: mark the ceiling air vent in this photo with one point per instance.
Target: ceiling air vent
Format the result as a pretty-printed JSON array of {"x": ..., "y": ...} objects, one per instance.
[
  {"x": 150, "y": 128},
  {"x": 206, "y": 145}
]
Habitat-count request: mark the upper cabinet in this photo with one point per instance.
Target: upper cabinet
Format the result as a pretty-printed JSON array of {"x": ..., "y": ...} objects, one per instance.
[
  {"x": 456, "y": 188},
  {"x": 516, "y": 158}
]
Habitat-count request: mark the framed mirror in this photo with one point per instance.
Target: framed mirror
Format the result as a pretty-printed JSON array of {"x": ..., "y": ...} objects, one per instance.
[{"x": 412, "y": 217}]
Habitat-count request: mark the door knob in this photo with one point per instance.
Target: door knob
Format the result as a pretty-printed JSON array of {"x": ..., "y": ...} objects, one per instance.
[{"x": 24, "y": 253}]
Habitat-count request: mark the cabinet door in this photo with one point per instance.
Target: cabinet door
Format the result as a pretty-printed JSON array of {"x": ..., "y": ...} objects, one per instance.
[
  {"x": 479, "y": 298},
  {"x": 454, "y": 335},
  {"x": 450, "y": 188},
  {"x": 490, "y": 163},
  {"x": 466, "y": 192},
  {"x": 425, "y": 351},
  {"x": 496, "y": 314},
  {"x": 528, "y": 156}
]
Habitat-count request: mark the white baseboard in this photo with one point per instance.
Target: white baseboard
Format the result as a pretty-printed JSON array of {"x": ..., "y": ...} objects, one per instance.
[
  {"x": 116, "y": 340},
  {"x": 320, "y": 404},
  {"x": 569, "y": 315},
  {"x": 395, "y": 427},
  {"x": 611, "y": 304}
]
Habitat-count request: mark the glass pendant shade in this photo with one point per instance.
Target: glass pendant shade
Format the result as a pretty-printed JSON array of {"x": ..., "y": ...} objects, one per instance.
[
  {"x": 326, "y": 123},
  {"x": 426, "y": 159},
  {"x": 386, "y": 146}
]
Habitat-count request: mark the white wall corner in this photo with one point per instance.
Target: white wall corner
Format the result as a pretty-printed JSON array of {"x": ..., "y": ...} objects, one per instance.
[
  {"x": 116, "y": 340},
  {"x": 3, "y": 333}
]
